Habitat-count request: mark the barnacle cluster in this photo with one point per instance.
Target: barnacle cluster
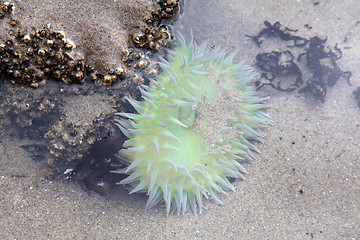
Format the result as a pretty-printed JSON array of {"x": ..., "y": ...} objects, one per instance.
[
  {"x": 30, "y": 58},
  {"x": 63, "y": 117},
  {"x": 5, "y": 9},
  {"x": 132, "y": 58},
  {"x": 168, "y": 8},
  {"x": 152, "y": 38},
  {"x": 73, "y": 134},
  {"x": 107, "y": 79},
  {"x": 155, "y": 35},
  {"x": 24, "y": 111}
]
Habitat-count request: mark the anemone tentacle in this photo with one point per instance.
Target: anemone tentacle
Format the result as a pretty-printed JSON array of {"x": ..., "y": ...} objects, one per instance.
[{"x": 179, "y": 150}]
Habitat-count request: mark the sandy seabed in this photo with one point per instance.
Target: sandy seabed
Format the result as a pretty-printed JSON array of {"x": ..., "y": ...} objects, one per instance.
[{"x": 304, "y": 185}]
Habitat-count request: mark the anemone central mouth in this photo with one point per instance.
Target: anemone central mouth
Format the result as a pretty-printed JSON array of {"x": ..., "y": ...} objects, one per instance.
[{"x": 214, "y": 117}]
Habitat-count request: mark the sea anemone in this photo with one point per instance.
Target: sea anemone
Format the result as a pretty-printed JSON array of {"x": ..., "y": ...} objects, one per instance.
[{"x": 193, "y": 130}]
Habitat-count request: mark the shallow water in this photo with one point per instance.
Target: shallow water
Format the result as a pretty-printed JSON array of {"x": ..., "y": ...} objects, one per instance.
[{"x": 304, "y": 184}]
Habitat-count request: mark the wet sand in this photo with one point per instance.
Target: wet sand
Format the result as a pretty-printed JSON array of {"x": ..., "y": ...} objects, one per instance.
[{"x": 304, "y": 185}]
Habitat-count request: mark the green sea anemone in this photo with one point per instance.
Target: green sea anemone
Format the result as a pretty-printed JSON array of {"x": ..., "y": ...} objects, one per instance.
[{"x": 194, "y": 129}]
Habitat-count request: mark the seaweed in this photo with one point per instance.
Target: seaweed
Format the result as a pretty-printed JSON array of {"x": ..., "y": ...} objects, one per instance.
[
  {"x": 274, "y": 30},
  {"x": 273, "y": 68},
  {"x": 285, "y": 75}
]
